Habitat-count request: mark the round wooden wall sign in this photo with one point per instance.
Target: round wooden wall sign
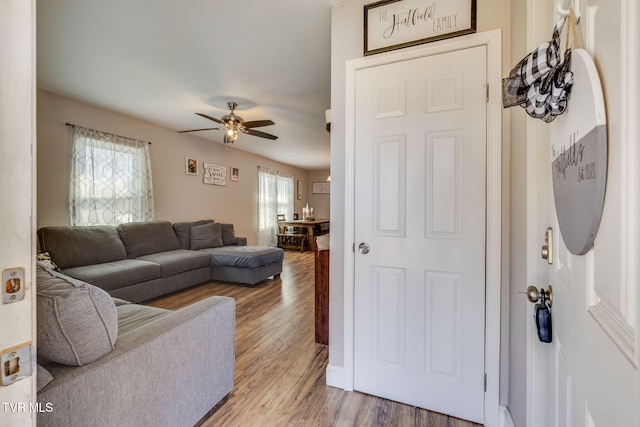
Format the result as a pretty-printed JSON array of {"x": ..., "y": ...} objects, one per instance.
[{"x": 579, "y": 157}]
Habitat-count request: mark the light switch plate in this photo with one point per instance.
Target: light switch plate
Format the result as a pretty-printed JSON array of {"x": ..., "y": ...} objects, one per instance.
[{"x": 13, "y": 285}]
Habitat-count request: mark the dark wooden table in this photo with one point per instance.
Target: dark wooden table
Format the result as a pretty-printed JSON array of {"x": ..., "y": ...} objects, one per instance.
[{"x": 310, "y": 228}]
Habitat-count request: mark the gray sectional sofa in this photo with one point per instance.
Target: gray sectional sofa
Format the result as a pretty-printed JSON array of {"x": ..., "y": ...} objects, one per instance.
[
  {"x": 106, "y": 362},
  {"x": 144, "y": 260}
]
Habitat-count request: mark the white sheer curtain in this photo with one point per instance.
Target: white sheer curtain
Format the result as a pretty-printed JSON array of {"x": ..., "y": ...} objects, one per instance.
[
  {"x": 110, "y": 179},
  {"x": 275, "y": 197}
]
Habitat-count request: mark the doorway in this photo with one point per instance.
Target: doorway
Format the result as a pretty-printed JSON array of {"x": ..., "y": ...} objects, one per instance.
[{"x": 489, "y": 43}]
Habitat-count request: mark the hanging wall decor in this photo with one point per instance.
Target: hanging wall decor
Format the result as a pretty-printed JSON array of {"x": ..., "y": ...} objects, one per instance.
[
  {"x": 191, "y": 166},
  {"x": 579, "y": 158},
  {"x": 321, "y": 188},
  {"x": 394, "y": 24},
  {"x": 541, "y": 82},
  {"x": 214, "y": 174}
]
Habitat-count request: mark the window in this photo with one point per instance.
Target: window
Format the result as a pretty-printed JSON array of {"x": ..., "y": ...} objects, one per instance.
[
  {"x": 110, "y": 179},
  {"x": 275, "y": 198}
]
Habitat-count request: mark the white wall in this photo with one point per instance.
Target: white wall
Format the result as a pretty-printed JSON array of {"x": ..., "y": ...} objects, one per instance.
[
  {"x": 346, "y": 44},
  {"x": 178, "y": 197},
  {"x": 319, "y": 201},
  {"x": 17, "y": 204}
]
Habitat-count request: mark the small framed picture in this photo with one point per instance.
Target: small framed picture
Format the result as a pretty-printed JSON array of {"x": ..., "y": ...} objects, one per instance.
[
  {"x": 281, "y": 217},
  {"x": 191, "y": 166},
  {"x": 235, "y": 174},
  {"x": 299, "y": 190}
]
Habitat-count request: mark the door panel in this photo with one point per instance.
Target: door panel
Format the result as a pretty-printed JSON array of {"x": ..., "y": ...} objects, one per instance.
[
  {"x": 443, "y": 335},
  {"x": 389, "y": 329},
  {"x": 420, "y": 198},
  {"x": 443, "y": 170},
  {"x": 390, "y": 187}
]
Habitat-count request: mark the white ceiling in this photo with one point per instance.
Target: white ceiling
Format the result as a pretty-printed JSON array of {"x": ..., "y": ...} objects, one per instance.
[{"x": 164, "y": 60}]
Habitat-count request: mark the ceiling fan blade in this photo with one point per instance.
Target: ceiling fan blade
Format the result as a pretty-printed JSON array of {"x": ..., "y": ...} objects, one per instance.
[
  {"x": 196, "y": 130},
  {"x": 258, "y": 123},
  {"x": 210, "y": 118},
  {"x": 261, "y": 134}
]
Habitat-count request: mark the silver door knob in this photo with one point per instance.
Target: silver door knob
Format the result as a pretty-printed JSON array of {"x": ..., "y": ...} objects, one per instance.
[
  {"x": 364, "y": 248},
  {"x": 533, "y": 294}
]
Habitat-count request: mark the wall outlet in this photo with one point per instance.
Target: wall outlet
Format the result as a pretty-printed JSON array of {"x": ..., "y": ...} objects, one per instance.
[{"x": 13, "y": 285}]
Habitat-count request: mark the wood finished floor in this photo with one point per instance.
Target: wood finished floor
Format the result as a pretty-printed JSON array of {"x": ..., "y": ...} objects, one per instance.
[{"x": 280, "y": 370}]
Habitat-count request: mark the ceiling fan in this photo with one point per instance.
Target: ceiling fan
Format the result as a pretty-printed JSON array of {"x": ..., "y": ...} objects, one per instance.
[{"x": 234, "y": 124}]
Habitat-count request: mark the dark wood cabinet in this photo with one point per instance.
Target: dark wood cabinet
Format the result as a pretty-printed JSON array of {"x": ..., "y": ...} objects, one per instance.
[{"x": 322, "y": 295}]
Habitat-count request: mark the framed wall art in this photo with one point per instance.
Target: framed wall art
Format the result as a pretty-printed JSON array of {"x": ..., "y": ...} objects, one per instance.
[
  {"x": 394, "y": 24},
  {"x": 191, "y": 166},
  {"x": 214, "y": 174},
  {"x": 321, "y": 188}
]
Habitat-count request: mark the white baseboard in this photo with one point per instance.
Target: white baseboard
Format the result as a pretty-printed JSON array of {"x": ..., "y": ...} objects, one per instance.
[
  {"x": 336, "y": 377},
  {"x": 505, "y": 417}
]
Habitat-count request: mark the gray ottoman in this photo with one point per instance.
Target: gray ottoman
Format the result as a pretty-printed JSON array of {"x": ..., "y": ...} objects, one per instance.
[{"x": 244, "y": 264}]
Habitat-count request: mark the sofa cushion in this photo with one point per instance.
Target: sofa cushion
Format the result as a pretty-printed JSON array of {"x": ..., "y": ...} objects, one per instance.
[
  {"x": 144, "y": 238},
  {"x": 117, "y": 274},
  {"x": 133, "y": 316},
  {"x": 183, "y": 231},
  {"x": 71, "y": 246},
  {"x": 228, "y": 235},
  {"x": 178, "y": 261},
  {"x": 118, "y": 302},
  {"x": 206, "y": 236},
  {"x": 77, "y": 323},
  {"x": 43, "y": 376},
  {"x": 244, "y": 256}
]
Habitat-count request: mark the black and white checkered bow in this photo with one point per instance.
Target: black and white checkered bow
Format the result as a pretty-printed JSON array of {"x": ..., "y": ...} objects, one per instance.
[{"x": 540, "y": 82}]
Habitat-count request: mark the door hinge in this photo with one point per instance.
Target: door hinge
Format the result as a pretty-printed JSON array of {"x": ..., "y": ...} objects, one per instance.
[
  {"x": 353, "y": 247},
  {"x": 487, "y": 86},
  {"x": 485, "y": 382}
]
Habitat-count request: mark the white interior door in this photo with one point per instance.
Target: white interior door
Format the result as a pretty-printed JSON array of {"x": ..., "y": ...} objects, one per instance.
[
  {"x": 420, "y": 230},
  {"x": 588, "y": 376}
]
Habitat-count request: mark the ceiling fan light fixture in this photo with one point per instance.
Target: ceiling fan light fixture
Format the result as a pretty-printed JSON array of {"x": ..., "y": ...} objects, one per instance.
[
  {"x": 231, "y": 134},
  {"x": 232, "y": 124},
  {"x": 229, "y": 139}
]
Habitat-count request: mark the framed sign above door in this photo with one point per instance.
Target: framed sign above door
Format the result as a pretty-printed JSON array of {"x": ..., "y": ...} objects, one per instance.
[{"x": 394, "y": 24}]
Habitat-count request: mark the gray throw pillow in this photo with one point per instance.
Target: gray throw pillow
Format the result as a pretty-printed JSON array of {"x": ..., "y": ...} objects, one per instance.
[
  {"x": 77, "y": 322},
  {"x": 183, "y": 231},
  {"x": 228, "y": 235},
  {"x": 206, "y": 236}
]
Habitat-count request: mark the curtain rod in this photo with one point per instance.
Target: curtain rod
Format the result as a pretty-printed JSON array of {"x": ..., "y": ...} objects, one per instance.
[{"x": 120, "y": 136}]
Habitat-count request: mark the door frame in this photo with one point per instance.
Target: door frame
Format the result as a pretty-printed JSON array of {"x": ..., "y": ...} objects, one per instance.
[
  {"x": 18, "y": 177},
  {"x": 493, "y": 42}
]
